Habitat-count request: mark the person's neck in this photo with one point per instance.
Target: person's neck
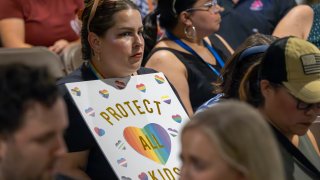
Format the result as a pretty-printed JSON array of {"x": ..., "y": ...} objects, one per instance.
[{"x": 108, "y": 73}]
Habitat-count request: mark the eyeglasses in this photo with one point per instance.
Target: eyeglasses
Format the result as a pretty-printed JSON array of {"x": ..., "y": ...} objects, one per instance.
[
  {"x": 206, "y": 7},
  {"x": 301, "y": 105},
  {"x": 305, "y": 106}
]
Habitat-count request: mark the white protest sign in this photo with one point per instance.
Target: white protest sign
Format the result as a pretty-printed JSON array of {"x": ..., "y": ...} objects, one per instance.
[{"x": 136, "y": 122}]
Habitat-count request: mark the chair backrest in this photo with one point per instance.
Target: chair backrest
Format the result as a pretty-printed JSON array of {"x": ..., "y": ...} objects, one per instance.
[
  {"x": 35, "y": 56},
  {"x": 72, "y": 57}
]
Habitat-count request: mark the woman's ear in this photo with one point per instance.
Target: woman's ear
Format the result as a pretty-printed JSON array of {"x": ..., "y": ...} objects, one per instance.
[
  {"x": 185, "y": 18},
  {"x": 265, "y": 88},
  {"x": 94, "y": 42}
]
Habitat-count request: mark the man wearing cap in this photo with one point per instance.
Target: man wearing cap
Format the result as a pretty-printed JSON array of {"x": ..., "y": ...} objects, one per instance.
[{"x": 290, "y": 89}]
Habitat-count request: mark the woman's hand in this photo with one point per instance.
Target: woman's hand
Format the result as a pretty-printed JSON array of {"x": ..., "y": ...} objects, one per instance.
[{"x": 59, "y": 46}]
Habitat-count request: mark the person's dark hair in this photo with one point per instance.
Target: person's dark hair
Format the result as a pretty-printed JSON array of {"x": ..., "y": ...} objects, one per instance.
[
  {"x": 101, "y": 21},
  {"x": 168, "y": 19},
  {"x": 20, "y": 86},
  {"x": 239, "y": 79}
]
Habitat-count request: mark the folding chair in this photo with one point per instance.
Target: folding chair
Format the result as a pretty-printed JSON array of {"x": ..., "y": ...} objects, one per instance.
[
  {"x": 35, "y": 56},
  {"x": 72, "y": 57}
]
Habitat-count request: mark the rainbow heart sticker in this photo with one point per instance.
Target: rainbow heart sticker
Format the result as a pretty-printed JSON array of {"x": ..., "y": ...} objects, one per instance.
[
  {"x": 104, "y": 93},
  {"x": 125, "y": 178},
  {"x": 141, "y": 87},
  {"x": 99, "y": 131},
  {"x": 166, "y": 99},
  {"x": 159, "y": 79},
  {"x": 120, "y": 145},
  {"x": 143, "y": 176},
  {"x": 90, "y": 112},
  {"x": 152, "y": 141},
  {"x": 177, "y": 118},
  {"x": 76, "y": 91},
  {"x": 173, "y": 132},
  {"x": 122, "y": 162},
  {"x": 120, "y": 84}
]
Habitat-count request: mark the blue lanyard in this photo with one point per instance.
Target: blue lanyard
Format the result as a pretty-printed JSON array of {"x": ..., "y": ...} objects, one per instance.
[{"x": 189, "y": 49}]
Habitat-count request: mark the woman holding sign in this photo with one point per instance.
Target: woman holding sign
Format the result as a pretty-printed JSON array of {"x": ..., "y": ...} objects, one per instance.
[
  {"x": 112, "y": 44},
  {"x": 186, "y": 55}
]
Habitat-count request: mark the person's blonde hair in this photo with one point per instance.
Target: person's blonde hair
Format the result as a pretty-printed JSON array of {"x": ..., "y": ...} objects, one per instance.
[{"x": 243, "y": 138}]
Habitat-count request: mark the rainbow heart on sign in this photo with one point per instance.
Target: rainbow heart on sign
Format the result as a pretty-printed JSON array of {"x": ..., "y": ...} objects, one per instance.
[
  {"x": 104, "y": 93},
  {"x": 143, "y": 176},
  {"x": 173, "y": 132},
  {"x": 125, "y": 178},
  {"x": 76, "y": 91},
  {"x": 177, "y": 118},
  {"x": 120, "y": 84},
  {"x": 159, "y": 79},
  {"x": 99, "y": 131},
  {"x": 166, "y": 99},
  {"x": 122, "y": 162},
  {"x": 152, "y": 141},
  {"x": 90, "y": 112},
  {"x": 141, "y": 87}
]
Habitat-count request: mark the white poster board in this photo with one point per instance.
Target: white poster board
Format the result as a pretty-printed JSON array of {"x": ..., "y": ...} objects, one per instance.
[{"x": 136, "y": 122}]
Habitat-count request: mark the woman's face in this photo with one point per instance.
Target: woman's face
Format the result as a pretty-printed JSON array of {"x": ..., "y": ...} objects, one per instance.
[
  {"x": 281, "y": 109},
  {"x": 202, "y": 161},
  {"x": 206, "y": 20},
  {"x": 121, "y": 48}
]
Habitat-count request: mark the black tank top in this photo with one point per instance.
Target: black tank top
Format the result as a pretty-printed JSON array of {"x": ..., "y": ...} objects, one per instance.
[{"x": 200, "y": 76}]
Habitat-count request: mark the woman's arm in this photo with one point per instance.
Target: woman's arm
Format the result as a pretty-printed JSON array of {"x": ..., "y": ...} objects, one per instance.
[
  {"x": 297, "y": 22},
  {"x": 166, "y": 62},
  {"x": 12, "y": 33}
]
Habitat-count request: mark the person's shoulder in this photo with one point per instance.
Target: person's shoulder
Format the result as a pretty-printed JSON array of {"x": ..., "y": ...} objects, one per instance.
[
  {"x": 300, "y": 13},
  {"x": 75, "y": 76},
  {"x": 144, "y": 70},
  {"x": 211, "y": 102},
  {"x": 302, "y": 10},
  {"x": 165, "y": 49},
  {"x": 166, "y": 59},
  {"x": 11, "y": 9},
  {"x": 161, "y": 53}
]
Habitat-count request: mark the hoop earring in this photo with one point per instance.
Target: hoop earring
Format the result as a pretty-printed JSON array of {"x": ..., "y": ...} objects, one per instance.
[{"x": 190, "y": 34}]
